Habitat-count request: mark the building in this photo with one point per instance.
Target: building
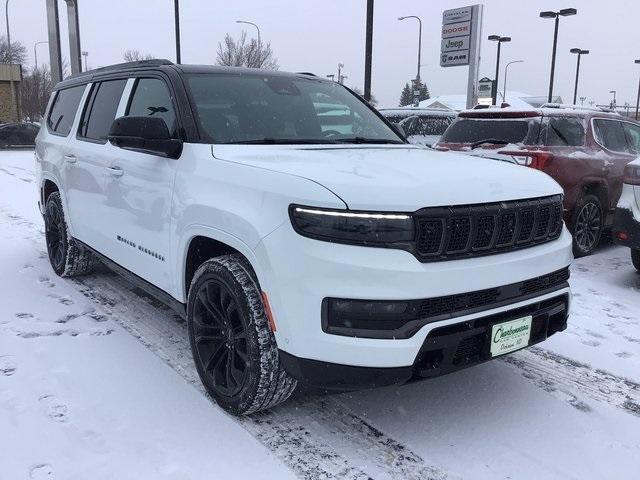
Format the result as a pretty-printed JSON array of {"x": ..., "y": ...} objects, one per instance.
[
  {"x": 8, "y": 111},
  {"x": 459, "y": 102}
]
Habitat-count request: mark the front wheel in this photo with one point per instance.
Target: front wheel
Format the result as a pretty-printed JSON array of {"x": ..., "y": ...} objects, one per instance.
[
  {"x": 588, "y": 221},
  {"x": 233, "y": 347},
  {"x": 635, "y": 258}
]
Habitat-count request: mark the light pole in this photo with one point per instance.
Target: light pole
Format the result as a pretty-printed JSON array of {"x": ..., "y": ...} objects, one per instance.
[
  {"x": 368, "y": 50},
  {"x": 35, "y": 52},
  {"x": 176, "y": 17},
  {"x": 579, "y": 52},
  {"x": 582, "y": 99},
  {"x": 340, "y": 77},
  {"x": 638, "y": 98},
  {"x": 259, "y": 43},
  {"x": 419, "y": 42},
  {"x": 500, "y": 40},
  {"x": 504, "y": 86},
  {"x": 565, "y": 12},
  {"x": 85, "y": 54},
  {"x": 10, "y": 62},
  {"x": 332, "y": 76}
]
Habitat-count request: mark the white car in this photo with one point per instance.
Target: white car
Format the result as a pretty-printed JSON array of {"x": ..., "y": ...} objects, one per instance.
[
  {"x": 296, "y": 252},
  {"x": 626, "y": 224}
]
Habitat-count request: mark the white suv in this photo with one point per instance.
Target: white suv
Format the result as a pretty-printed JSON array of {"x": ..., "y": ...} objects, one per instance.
[{"x": 300, "y": 235}]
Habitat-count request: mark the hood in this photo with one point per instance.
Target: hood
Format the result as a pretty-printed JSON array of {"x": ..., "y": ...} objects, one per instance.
[{"x": 396, "y": 177}]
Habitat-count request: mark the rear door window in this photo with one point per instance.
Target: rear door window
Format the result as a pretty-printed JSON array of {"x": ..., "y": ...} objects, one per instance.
[
  {"x": 472, "y": 130},
  {"x": 100, "y": 110},
  {"x": 63, "y": 110},
  {"x": 610, "y": 134},
  {"x": 151, "y": 98},
  {"x": 563, "y": 132},
  {"x": 633, "y": 136}
]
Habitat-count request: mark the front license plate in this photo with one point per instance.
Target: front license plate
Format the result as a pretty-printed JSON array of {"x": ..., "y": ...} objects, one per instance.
[{"x": 510, "y": 336}]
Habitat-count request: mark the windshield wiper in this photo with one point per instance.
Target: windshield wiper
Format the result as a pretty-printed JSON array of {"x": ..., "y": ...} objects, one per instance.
[
  {"x": 493, "y": 141},
  {"x": 360, "y": 140},
  {"x": 282, "y": 141}
]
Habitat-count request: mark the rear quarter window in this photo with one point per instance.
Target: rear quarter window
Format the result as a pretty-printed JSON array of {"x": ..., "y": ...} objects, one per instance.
[{"x": 63, "y": 110}]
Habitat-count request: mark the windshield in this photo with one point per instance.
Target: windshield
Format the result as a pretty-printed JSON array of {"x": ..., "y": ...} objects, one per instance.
[
  {"x": 263, "y": 109},
  {"x": 472, "y": 130}
]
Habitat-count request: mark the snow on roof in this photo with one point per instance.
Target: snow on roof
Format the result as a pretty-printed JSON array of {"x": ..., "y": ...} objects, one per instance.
[{"x": 458, "y": 102}]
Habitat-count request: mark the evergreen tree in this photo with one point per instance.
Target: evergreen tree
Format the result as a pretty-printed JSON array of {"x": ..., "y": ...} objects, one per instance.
[{"x": 406, "y": 97}]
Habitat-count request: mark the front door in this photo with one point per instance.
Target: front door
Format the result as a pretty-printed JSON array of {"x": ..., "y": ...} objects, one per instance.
[{"x": 138, "y": 189}]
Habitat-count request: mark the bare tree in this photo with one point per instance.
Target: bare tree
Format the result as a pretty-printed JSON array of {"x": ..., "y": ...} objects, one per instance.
[
  {"x": 136, "y": 56},
  {"x": 35, "y": 89},
  {"x": 243, "y": 53},
  {"x": 18, "y": 52}
]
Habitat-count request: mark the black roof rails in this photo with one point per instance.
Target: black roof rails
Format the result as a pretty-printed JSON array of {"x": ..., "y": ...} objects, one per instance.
[{"x": 156, "y": 62}]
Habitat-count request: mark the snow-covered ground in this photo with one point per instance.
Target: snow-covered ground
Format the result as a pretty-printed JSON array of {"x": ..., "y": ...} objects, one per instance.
[{"x": 96, "y": 381}]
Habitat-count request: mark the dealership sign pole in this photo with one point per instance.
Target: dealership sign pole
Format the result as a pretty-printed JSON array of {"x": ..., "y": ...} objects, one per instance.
[{"x": 460, "y": 44}]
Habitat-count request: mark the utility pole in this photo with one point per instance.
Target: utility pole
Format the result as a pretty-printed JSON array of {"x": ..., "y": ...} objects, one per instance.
[
  {"x": 368, "y": 51},
  {"x": 14, "y": 106},
  {"x": 176, "y": 8}
]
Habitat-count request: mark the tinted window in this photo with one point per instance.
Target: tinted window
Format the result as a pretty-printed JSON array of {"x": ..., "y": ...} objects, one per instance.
[
  {"x": 564, "y": 131},
  {"x": 100, "y": 110},
  {"x": 269, "y": 108},
  {"x": 63, "y": 110},
  {"x": 611, "y": 134},
  {"x": 633, "y": 136},
  {"x": 471, "y": 130},
  {"x": 151, "y": 97}
]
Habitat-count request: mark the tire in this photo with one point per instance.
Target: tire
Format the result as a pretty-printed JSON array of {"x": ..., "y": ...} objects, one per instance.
[
  {"x": 635, "y": 258},
  {"x": 587, "y": 225},
  {"x": 67, "y": 257},
  {"x": 229, "y": 331}
]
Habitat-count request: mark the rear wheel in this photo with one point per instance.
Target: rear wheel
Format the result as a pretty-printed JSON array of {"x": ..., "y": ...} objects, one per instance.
[
  {"x": 635, "y": 258},
  {"x": 233, "y": 347},
  {"x": 67, "y": 257},
  {"x": 588, "y": 222}
]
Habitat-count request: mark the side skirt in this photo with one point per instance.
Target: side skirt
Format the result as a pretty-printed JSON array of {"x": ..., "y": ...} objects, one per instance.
[{"x": 139, "y": 282}]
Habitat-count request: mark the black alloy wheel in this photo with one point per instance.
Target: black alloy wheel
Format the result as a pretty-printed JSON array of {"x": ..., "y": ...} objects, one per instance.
[
  {"x": 588, "y": 226},
  {"x": 220, "y": 335},
  {"x": 56, "y": 232}
]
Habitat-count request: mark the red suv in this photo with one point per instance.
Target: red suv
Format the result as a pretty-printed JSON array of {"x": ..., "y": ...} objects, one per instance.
[{"x": 585, "y": 151}]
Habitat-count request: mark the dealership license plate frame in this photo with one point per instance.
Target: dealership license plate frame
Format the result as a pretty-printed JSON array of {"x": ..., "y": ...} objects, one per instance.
[{"x": 512, "y": 343}]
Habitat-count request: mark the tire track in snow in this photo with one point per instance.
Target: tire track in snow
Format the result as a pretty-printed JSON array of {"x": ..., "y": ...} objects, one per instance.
[
  {"x": 301, "y": 433},
  {"x": 556, "y": 373}
]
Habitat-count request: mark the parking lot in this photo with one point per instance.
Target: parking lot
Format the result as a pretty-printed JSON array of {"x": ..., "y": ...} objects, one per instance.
[{"x": 72, "y": 403}]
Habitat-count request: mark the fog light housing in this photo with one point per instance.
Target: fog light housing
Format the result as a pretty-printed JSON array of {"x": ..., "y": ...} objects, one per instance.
[{"x": 364, "y": 317}]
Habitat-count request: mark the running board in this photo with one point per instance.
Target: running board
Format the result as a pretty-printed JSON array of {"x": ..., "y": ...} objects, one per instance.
[{"x": 139, "y": 282}]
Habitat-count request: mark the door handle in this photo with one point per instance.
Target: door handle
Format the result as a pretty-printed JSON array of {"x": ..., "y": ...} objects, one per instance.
[
  {"x": 115, "y": 171},
  {"x": 70, "y": 158}
]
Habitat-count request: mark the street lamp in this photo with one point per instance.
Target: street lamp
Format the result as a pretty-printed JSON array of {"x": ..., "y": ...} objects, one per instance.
[
  {"x": 500, "y": 40},
  {"x": 85, "y": 54},
  {"x": 332, "y": 76},
  {"x": 419, "y": 41},
  {"x": 506, "y": 70},
  {"x": 259, "y": 43},
  {"x": 578, "y": 52},
  {"x": 638, "y": 98},
  {"x": 35, "y": 52},
  {"x": 565, "y": 12}
]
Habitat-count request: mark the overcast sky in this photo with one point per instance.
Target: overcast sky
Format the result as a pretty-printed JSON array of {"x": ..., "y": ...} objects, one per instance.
[{"x": 315, "y": 35}]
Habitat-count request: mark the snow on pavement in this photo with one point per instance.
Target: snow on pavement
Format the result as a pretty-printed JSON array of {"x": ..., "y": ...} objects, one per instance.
[{"x": 96, "y": 381}]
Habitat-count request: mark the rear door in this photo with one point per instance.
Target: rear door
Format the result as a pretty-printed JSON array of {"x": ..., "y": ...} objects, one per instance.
[
  {"x": 610, "y": 134},
  {"x": 86, "y": 162},
  {"x": 138, "y": 191}
]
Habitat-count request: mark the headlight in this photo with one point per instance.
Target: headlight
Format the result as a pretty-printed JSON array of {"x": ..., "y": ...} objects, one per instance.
[{"x": 352, "y": 227}]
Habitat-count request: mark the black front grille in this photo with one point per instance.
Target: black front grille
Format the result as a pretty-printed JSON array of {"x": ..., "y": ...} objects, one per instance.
[{"x": 445, "y": 233}]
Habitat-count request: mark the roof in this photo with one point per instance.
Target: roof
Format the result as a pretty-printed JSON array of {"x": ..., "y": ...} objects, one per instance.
[
  {"x": 497, "y": 112},
  {"x": 408, "y": 111},
  {"x": 85, "y": 77}
]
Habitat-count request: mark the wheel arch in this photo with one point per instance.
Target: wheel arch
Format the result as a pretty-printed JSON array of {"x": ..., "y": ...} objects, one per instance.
[{"x": 597, "y": 187}]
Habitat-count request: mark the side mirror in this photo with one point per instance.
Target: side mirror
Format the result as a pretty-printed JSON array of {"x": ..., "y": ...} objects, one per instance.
[{"x": 146, "y": 135}]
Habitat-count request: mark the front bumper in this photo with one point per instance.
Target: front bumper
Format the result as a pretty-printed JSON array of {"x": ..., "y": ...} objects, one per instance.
[
  {"x": 445, "y": 350},
  {"x": 298, "y": 273}
]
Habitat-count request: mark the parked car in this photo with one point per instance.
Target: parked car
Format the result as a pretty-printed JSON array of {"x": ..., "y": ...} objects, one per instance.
[
  {"x": 626, "y": 227},
  {"x": 295, "y": 252},
  {"x": 584, "y": 150},
  {"x": 18, "y": 134},
  {"x": 422, "y": 126}
]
